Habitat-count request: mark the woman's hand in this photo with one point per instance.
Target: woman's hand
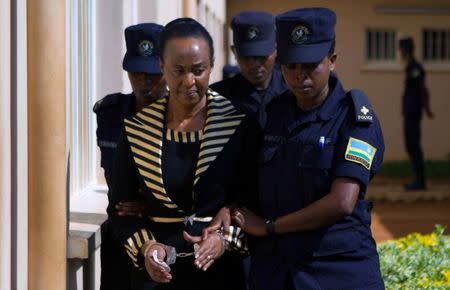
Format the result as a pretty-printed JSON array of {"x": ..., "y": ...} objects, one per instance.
[
  {"x": 156, "y": 272},
  {"x": 209, "y": 250},
  {"x": 132, "y": 208},
  {"x": 250, "y": 222},
  {"x": 221, "y": 220}
]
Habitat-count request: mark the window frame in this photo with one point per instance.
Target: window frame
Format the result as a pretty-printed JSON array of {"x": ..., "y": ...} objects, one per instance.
[
  {"x": 386, "y": 54},
  {"x": 442, "y": 62},
  {"x": 80, "y": 97}
]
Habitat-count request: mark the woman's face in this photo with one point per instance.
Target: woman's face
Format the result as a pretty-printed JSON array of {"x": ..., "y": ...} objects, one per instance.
[
  {"x": 309, "y": 81},
  {"x": 186, "y": 66}
]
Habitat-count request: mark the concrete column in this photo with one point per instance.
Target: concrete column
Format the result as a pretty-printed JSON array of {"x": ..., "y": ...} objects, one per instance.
[
  {"x": 190, "y": 8},
  {"x": 47, "y": 144},
  {"x": 5, "y": 145}
]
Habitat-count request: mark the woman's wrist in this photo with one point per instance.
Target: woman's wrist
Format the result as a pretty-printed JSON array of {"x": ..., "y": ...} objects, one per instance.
[
  {"x": 146, "y": 247},
  {"x": 223, "y": 243}
]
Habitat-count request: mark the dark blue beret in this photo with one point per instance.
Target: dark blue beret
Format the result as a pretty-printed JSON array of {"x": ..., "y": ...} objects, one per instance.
[
  {"x": 253, "y": 33},
  {"x": 142, "y": 41},
  {"x": 305, "y": 35},
  {"x": 406, "y": 43}
]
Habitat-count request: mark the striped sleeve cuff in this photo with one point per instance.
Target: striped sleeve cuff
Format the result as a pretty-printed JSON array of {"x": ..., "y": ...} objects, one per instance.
[
  {"x": 134, "y": 244},
  {"x": 237, "y": 240}
]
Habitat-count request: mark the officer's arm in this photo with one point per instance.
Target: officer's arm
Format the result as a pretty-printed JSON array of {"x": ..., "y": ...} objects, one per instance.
[
  {"x": 425, "y": 99},
  {"x": 324, "y": 212}
]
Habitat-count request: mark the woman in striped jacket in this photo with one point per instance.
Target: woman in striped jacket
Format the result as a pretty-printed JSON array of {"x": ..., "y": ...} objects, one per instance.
[{"x": 187, "y": 154}]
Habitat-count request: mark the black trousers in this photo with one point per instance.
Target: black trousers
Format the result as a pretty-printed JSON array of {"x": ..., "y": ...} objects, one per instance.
[
  {"x": 116, "y": 266},
  {"x": 411, "y": 126}
]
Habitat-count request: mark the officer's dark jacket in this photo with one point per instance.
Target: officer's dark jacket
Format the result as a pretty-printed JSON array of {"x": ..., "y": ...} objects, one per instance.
[
  {"x": 226, "y": 172},
  {"x": 245, "y": 97},
  {"x": 302, "y": 153},
  {"x": 414, "y": 88},
  {"x": 110, "y": 111}
]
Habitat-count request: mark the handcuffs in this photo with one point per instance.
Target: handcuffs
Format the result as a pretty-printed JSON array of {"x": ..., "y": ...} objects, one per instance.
[
  {"x": 171, "y": 256},
  {"x": 171, "y": 253}
]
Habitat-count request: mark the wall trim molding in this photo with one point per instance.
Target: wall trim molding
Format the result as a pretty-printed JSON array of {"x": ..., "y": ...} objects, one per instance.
[{"x": 412, "y": 10}]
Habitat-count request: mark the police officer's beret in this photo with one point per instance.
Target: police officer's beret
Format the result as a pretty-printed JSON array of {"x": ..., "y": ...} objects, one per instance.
[
  {"x": 305, "y": 35},
  {"x": 143, "y": 52},
  {"x": 406, "y": 43},
  {"x": 253, "y": 33}
]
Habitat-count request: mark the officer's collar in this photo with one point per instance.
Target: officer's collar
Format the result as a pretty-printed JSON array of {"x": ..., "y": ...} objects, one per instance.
[
  {"x": 244, "y": 85},
  {"x": 276, "y": 85},
  {"x": 299, "y": 117},
  {"x": 336, "y": 93},
  {"x": 323, "y": 112},
  {"x": 411, "y": 63}
]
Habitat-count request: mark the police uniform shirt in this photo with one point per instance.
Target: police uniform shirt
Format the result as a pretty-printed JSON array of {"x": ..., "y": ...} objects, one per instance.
[
  {"x": 245, "y": 97},
  {"x": 110, "y": 111},
  {"x": 303, "y": 152},
  {"x": 412, "y": 96}
]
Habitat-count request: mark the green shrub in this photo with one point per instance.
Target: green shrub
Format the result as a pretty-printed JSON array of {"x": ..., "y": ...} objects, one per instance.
[
  {"x": 417, "y": 261},
  {"x": 436, "y": 169}
]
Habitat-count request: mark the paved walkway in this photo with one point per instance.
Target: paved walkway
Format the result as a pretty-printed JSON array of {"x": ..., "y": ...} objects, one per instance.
[{"x": 397, "y": 213}]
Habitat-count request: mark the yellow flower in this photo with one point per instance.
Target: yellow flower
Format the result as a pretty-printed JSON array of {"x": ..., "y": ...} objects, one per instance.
[
  {"x": 438, "y": 284},
  {"x": 446, "y": 274},
  {"x": 423, "y": 282},
  {"x": 427, "y": 240},
  {"x": 400, "y": 245},
  {"x": 406, "y": 242}
]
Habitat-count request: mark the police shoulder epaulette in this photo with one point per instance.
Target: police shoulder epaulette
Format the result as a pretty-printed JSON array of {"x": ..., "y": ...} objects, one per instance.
[
  {"x": 362, "y": 107},
  {"x": 109, "y": 100}
]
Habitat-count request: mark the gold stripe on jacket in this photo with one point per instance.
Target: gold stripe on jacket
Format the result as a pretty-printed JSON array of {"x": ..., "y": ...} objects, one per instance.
[{"x": 145, "y": 135}]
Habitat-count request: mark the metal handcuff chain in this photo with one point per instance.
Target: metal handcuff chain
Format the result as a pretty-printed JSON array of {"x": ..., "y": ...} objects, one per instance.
[{"x": 172, "y": 255}]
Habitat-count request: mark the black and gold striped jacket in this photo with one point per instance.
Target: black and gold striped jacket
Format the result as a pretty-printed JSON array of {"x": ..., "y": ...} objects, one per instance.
[{"x": 225, "y": 173}]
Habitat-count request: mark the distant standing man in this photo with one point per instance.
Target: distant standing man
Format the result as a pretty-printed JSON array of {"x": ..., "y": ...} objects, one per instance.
[
  {"x": 416, "y": 99},
  {"x": 255, "y": 51},
  {"x": 141, "y": 61}
]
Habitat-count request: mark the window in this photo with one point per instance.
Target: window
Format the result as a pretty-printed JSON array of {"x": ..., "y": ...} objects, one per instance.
[
  {"x": 436, "y": 45},
  {"x": 381, "y": 45},
  {"x": 80, "y": 97}
]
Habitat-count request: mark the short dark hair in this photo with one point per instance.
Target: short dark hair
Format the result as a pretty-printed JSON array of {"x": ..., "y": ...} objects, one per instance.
[
  {"x": 407, "y": 45},
  {"x": 183, "y": 28}
]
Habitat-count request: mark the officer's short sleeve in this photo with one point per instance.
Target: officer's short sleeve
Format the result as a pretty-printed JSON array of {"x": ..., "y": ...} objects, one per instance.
[{"x": 359, "y": 150}]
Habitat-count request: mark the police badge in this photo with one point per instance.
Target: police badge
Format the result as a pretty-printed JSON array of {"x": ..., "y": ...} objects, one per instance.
[
  {"x": 145, "y": 48},
  {"x": 299, "y": 34},
  {"x": 252, "y": 32}
]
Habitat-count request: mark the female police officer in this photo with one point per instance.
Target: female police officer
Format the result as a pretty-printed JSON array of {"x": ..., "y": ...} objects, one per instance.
[{"x": 321, "y": 147}]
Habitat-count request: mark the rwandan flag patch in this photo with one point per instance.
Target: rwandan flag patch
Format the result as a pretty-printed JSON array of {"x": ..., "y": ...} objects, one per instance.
[{"x": 360, "y": 152}]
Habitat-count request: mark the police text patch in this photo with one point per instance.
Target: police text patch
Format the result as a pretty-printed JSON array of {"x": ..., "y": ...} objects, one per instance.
[{"x": 360, "y": 152}]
